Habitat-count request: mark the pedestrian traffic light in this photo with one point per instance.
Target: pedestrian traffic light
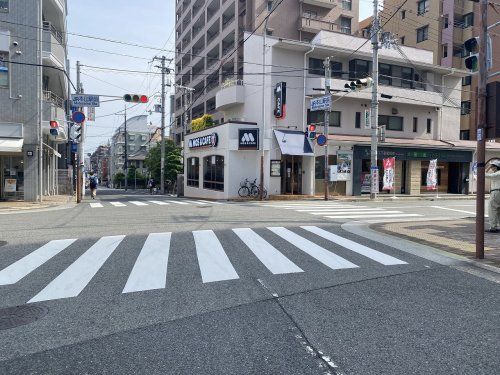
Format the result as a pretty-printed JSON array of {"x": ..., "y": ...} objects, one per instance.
[
  {"x": 135, "y": 98},
  {"x": 311, "y": 132},
  {"x": 471, "y": 51},
  {"x": 54, "y": 128}
]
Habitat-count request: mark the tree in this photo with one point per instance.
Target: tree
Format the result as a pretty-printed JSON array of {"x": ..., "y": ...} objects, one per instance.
[
  {"x": 133, "y": 176},
  {"x": 119, "y": 178},
  {"x": 173, "y": 161},
  {"x": 202, "y": 122}
]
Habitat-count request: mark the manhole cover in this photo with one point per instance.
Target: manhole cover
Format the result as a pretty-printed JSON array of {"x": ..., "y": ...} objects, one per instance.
[{"x": 11, "y": 317}]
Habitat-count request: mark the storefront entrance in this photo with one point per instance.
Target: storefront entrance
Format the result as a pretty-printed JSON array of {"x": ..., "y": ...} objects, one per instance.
[
  {"x": 11, "y": 177},
  {"x": 291, "y": 182}
]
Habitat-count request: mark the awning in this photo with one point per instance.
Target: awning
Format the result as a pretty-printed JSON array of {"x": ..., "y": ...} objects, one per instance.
[
  {"x": 293, "y": 142},
  {"x": 11, "y": 145}
]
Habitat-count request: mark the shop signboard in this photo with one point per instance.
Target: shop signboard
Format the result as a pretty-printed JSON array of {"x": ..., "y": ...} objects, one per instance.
[
  {"x": 275, "y": 168},
  {"x": 432, "y": 175},
  {"x": 367, "y": 119},
  {"x": 210, "y": 140},
  {"x": 333, "y": 173},
  {"x": 389, "y": 166},
  {"x": 344, "y": 165},
  {"x": 280, "y": 100},
  {"x": 10, "y": 185},
  {"x": 248, "y": 139},
  {"x": 365, "y": 183}
]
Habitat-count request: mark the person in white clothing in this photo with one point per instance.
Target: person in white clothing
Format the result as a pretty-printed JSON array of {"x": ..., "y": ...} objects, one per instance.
[{"x": 493, "y": 173}]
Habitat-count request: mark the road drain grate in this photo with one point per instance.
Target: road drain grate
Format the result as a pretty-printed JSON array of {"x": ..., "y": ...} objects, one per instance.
[{"x": 12, "y": 317}]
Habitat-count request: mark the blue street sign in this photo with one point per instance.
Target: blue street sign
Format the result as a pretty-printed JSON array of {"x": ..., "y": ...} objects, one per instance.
[
  {"x": 78, "y": 117},
  {"x": 323, "y": 103},
  {"x": 74, "y": 147},
  {"x": 321, "y": 140}
]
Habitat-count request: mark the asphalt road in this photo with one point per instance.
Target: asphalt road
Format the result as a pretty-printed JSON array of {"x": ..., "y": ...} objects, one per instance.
[{"x": 184, "y": 286}]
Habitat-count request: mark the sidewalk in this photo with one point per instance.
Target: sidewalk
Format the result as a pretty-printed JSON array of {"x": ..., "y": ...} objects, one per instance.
[
  {"x": 47, "y": 202},
  {"x": 456, "y": 236}
]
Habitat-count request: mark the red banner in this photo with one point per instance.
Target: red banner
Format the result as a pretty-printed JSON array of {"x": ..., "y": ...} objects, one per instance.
[{"x": 389, "y": 167}]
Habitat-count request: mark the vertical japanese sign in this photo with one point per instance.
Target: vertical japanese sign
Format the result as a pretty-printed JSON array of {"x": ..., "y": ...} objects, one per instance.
[
  {"x": 432, "y": 175},
  {"x": 368, "y": 124},
  {"x": 91, "y": 114},
  {"x": 280, "y": 100},
  {"x": 389, "y": 166}
]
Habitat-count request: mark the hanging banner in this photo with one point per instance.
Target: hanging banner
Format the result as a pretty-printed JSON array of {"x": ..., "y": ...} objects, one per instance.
[
  {"x": 389, "y": 167},
  {"x": 432, "y": 175},
  {"x": 91, "y": 114}
]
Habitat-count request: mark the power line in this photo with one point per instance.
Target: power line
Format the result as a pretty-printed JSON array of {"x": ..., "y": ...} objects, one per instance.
[{"x": 43, "y": 66}]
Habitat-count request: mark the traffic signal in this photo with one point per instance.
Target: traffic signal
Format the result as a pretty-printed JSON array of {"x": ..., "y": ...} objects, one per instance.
[
  {"x": 134, "y": 98},
  {"x": 359, "y": 84},
  {"x": 311, "y": 130},
  {"x": 351, "y": 85},
  {"x": 471, "y": 51},
  {"x": 54, "y": 128}
]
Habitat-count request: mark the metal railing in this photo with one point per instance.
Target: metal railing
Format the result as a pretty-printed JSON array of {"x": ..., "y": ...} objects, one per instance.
[
  {"x": 232, "y": 82},
  {"x": 49, "y": 96},
  {"x": 47, "y": 26}
]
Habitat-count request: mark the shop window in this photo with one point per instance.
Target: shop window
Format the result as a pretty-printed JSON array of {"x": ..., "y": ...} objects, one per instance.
[
  {"x": 4, "y": 5},
  {"x": 415, "y": 124},
  {"x": 193, "y": 172},
  {"x": 429, "y": 126},
  {"x": 319, "y": 170},
  {"x": 4, "y": 69},
  {"x": 391, "y": 122},
  {"x": 213, "y": 174},
  {"x": 422, "y": 34},
  {"x": 358, "y": 120}
]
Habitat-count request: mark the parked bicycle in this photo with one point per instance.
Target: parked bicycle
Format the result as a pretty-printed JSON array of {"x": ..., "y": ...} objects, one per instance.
[{"x": 251, "y": 189}]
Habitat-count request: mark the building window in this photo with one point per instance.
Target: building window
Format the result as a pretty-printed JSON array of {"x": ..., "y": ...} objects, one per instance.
[
  {"x": 345, "y": 25},
  {"x": 358, "y": 120},
  {"x": 310, "y": 13},
  {"x": 403, "y": 14},
  {"x": 415, "y": 124},
  {"x": 385, "y": 74},
  {"x": 193, "y": 172},
  {"x": 445, "y": 50},
  {"x": 318, "y": 118},
  {"x": 445, "y": 22},
  {"x": 131, "y": 137},
  {"x": 4, "y": 5},
  {"x": 466, "y": 81},
  {"x": 391, "y": 122},
  {"x": 359, "y": 68},
  {"x": 465, "y": 108},
  {"x": 336, "y": 69},
  {"x": 213, "y": 174},
  {"x": 468, "y": 20},
  {"x": 316, "y": 67},
  {"x": 4, "y": 69},
  {"x": 422, "y": 34},
  {"x": 465, "y": 135},
  {"x": 347, "y": 4},
  {"x": 269, "y": 5},
  {"x": 429, "y": 126},
  {"x": 458, "y": 51},
  {"x": 422, "y": 7},
  {"x": 402, "y": 40}
]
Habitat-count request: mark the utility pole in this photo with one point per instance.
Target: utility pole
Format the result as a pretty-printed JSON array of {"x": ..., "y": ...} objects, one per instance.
[
  {"x": 328, "y": 76},
  {"x": 125, "y": 164},
  {"x": 374, "y": 105},
  {"x": 80, "y": 157},
  {"x": 164, "y": 71},
  {"x": 481, "y": 128}
]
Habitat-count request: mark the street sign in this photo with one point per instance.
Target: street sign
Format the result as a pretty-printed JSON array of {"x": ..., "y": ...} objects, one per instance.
[
  {"x": 74, "y": 147},
  {"x": 321, "y": 140},
  {"x": 84, "y": 100},
  {"x": 323, "y": 103},
  {"x": 78, "y": 117},
  {"x": 157, "y": 108}
]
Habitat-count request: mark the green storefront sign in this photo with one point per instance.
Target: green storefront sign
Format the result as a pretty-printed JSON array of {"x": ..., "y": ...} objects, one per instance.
[{"x": 363, "y": 152}]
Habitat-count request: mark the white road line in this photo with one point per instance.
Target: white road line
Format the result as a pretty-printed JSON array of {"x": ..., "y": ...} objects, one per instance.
[
  {"x": 96, "y": 205},
  {"x": 371, "y": 216},
  {"x": 213, "y": 261},
  {"x": 211, "y": 202},
  {"x": 455, "y": 210},
  {"x": 118, "y": 204},
  {"x": 341, "y": 212},
  {"x": 161, "y": 203},
  {"x": 328, "y": 208},
  {"x": 274, "y": 260},
  {"x": 150, "y": 268},
  {"x": 326, "y": 257},
  {"x": 375, "y": 255},
  {"x": 76, "y": 277},
  {"x": 177, "y": 202},
  {"x": 196, "y": 202},
  {"x": 138, "y": 203},
  {"x": 24, "y": 266}
]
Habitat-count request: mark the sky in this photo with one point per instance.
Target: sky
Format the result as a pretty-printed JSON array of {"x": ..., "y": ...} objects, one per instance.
[{"x": 148, "y": 24}]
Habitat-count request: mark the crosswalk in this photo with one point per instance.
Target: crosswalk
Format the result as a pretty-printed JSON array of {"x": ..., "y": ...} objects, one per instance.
[
  {"x": 339, "y": 210},
  {"x": 157, "y": 202},
  {"x": 214, "y": 262}
]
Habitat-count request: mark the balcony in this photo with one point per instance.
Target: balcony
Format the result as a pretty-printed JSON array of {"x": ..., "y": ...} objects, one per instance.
[
  {"x": 232, "y": 93},
  {"x": 53, "y": 49},
  {"x": 314, "y": 24},
  {"x": 330, "y": 4}
]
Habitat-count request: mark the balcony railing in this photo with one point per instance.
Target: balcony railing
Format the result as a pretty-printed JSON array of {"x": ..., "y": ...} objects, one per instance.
[
  {"x": 232, "y": 82},
  {"x": 50, "y": 97},
  {"x": 47, "y": 26}
]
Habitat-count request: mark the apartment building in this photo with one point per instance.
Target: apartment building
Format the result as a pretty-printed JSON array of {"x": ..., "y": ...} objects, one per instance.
[
  {"x": 33, "y": 91},
  {"x": 99, "y": 163},
  {"x": 442, "y": 27},
  {"x": 209, "y": 31}
]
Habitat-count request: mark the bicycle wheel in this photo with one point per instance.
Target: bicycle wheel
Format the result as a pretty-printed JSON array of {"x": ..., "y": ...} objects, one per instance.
[
  {"x": 264, "y": 193},
  {"x": 255, "y": 191},
  {"x": 243, "y": 191}
]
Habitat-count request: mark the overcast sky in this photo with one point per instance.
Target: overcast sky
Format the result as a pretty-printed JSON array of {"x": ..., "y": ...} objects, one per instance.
[{"x": 147, "y": 23}]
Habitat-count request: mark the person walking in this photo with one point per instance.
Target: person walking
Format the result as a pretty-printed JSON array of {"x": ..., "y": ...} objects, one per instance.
[
  {"x": 93, "y": 185},
  {"x": 151, "y": 186},
  {"x": 493, "y": 173}
]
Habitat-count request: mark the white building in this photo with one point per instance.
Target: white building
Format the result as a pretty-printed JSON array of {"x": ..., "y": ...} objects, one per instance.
[{"x": 419, "y": 105}]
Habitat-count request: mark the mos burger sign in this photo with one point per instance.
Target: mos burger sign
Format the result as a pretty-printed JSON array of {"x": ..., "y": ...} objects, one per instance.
[{"x": 210, "y": 140}]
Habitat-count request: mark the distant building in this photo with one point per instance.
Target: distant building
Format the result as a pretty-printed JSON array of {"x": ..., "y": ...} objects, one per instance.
[{"x": 99, "y": 163}]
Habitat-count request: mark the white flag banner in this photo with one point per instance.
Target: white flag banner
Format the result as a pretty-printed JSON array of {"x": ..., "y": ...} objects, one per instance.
[
  {"x": 432, "y": 175},
  {"x": 91, "y": 114}
]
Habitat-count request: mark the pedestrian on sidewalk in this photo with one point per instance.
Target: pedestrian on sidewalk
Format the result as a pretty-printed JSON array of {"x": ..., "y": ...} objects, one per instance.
[
  {"x": 152, "y": 186},
  {"x": 93, "y": 185},
  {"x": 493, "y": 173}
]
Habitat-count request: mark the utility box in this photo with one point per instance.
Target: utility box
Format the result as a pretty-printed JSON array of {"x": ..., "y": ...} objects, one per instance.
[{"x": 493, "y": 110}]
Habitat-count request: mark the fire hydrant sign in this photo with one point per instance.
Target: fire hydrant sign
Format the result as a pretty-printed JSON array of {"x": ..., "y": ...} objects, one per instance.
[
  {"x": 389, "y": 165},
  {"x": 432, "y": 175}
]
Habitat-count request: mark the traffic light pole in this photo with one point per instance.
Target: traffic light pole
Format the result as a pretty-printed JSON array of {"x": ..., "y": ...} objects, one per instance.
[
  {"x": 328, "y": 75},
  {"x": 125, "y": 164},
  {"x": 374, "y": 104},
  {"x": 481, "y": 129},
  {"x": 80, "y": 158}
]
